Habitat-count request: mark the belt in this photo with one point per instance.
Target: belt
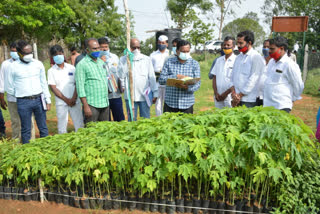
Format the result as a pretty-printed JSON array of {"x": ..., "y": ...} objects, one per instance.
[{"x": 33, "y": 97}]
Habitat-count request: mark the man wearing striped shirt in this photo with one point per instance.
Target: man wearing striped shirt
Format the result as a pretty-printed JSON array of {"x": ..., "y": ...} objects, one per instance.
[
  {"x": 92, "y": 85},
  {"x": 180, "y": 99}
]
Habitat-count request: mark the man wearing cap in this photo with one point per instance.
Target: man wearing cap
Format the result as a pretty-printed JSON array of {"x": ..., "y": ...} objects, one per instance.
[{"x": 158, "y": 58}]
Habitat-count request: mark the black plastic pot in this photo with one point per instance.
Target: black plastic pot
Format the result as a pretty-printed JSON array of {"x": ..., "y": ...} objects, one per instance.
[
  {"x": 124, "y": 205},
  {"x": 196, "y": 203},
  {"x": 248, "y": 209},
  {"x": 162, "y": 208},
  {"x": 180, "y": 205},
  {"x": 92, "y": 203},
  {"x": 21, "y": 196},
  {"x": 115, "y": 204},
  {"x": 154, "y": 207},
  {"x": 58, "y": 197},
  {"x": 221, "y": 207},
  {"x": 146, "y": 206},
  {"x": 76, "y": 202},
  {"x": 231, "y": 208},
  {"x": 100, "y": 202},
  {"x": 72, "y": 199},
  {"x": 188, "y": 203},
  {"x": 7, "y": 190},
  {"x": 205, "y": 204},
  {"x": 66, "y": 198},
  {"x": 267, "y": 209},
  {"x": 84, "y": 202},
  {"x": 240, "y": 204},
  {"x": 132, "y": 204},
  {"x": 257, "y": 209},
  {"x": 51, "y": 196},
  {"x": 35, "y": 195},
  {"x": 139, "y": 206},
  {"x": 213, "y": 205},
  {"x": 15, "y": 192},
  {"x": 1, "y": 192},
  {"x": 107, "y": 203},
  {"x": 171, "y": 209},
  {"x": 27, "y": 195}
]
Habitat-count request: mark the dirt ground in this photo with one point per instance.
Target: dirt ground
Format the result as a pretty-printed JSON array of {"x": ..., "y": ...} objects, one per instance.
[{"x": 33, "y": 207}]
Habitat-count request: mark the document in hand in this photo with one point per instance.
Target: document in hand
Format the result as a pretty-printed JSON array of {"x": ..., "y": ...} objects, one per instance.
[
  {"x": 148, "y": 95},
  {"x": 112, "y": 83},
  {"x": 178, "y": 82},
  {"x": 44, "y": 103}
]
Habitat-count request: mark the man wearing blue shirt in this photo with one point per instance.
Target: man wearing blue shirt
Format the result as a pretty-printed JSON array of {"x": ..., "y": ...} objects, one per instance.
[
  {"x": 27, "y": 82},
  {"x": 180, "y": 99}
]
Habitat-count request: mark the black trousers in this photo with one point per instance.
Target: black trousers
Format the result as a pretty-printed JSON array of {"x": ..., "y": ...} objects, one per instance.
[{"x": 167, "y": 108}]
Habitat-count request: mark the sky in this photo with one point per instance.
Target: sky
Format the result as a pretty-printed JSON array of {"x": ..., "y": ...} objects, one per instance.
[{"x": 151, "y": 15}]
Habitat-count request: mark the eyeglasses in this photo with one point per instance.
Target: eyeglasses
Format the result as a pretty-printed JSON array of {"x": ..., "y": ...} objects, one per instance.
[{"x": 133, "y": 48}]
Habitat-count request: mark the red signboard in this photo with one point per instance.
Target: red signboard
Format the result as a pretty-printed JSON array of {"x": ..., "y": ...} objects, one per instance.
[{"x": 290, "y": 23}]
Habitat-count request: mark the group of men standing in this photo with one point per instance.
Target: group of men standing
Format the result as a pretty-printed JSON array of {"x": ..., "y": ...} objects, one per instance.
[
  {"x": 96, "y": 79},
  {"x": 251, "y": 80}
]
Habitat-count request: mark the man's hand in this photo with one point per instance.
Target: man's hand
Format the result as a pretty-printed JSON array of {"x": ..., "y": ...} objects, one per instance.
[
  {"x": 87, "y": 111},
  {"x": 180, "y": 76},
  {"x": 218, "y": 97},
  {"x": 122, "y": 89},
  {"x": 73, "y": 101},
  {"x": 48, "y": 107},
  {"x": 104, "y": 58},
  {"x": 181, "y": 85},
  {"x": 154, "y": 100}
]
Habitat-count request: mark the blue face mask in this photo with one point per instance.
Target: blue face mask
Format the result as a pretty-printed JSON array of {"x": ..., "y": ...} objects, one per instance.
[
  {"x": 95, "y": 54},
  {"x": 162, "y": 47},
  {"x": 105, "y": 53},
  {"x": 265, "y": 52},
  {"x": 14, "y": 55},
  {"x": 184, "y": 56},
  {"x": 174, "y": 50},
  {"x": 58, "y": 59}
]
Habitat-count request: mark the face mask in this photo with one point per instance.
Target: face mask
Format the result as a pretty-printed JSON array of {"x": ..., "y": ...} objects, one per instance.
[
  {"x": 227, "y": 51},
  {"x": 276, "y": 55},
  {"x": 95, "y": 54},
  {"x": 58, "y": 59},
  {"x": 244, "y": 49},
  {"x": 184, "y": 56},
  {"x": 222, "y": 52},
  {"x": 14, "y": 55},
  {"x": 174, "y": 50},
  {"x": 28, "y": 58},
  {"x": 162, "y": 47},
  {"x": 265, "y": 52},
  {"x": 105, "y": 53},
  {"x": 136, "y": 52}
]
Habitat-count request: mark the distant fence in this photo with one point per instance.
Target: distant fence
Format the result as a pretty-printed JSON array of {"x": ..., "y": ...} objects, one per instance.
[{"x": 313, "y": 60}]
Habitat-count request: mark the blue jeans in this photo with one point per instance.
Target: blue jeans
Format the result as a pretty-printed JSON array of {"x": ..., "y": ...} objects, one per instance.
[
  {"x": 25, "y": 109},
  {"x": 2, "y": 124},
  {"x": 144, "y": 110},
  {"x": 116, "y": 109}
]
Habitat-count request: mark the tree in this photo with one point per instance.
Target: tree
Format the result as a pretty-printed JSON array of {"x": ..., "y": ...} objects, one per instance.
[
  {"x": 183, "y": 13},
  {"x": 200, "y": 33},
  {"x": 33, "y": 20},
  {"x": 148, "y": 46},
  {"x": 224, "y": 10},
  {"x": 309, "y": 8},
  {"x": 245, "y": 23}
]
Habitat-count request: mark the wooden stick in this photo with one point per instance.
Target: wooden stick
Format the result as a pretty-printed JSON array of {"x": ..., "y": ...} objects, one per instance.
[
  {"x": 125, "y": 4},
  {"x": 41, "y": 191}
]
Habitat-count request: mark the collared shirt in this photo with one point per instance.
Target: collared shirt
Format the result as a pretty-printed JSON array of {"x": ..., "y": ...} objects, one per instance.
[
  {"x": 112, "y": 64},
  {"x": 143, "y": 76},
  {"x": 247, "y": 70},
  {"x": 158, "y": 59},
  {"x": 283, "y": 84},
  {"x": 27, "y": 79},
  {"x": 176, "y": 97},
  {"x": 91, "y": 82},
  {"x": 64, "y": 80},
  {"x": 262, "y": 79},
  {"x": 223, "y": 72},
  {"x": 4, "y": 78}
]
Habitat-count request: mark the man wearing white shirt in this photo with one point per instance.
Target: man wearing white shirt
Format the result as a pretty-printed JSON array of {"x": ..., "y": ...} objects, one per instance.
[
  {"x": 283, "y": 84},
  {"x": 143, "y": 77},
  {"x": 248, "y": 67},
  {"x": 111, "y": 63},
  {"x": 222, "y": 72},
  {"x": 27, "y": 82},
  {"x": 62, "y": 83},
  {"x": 158, "y": 58}
]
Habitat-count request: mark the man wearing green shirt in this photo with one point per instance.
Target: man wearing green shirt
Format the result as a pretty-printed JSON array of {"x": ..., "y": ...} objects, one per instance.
[{"x": 92, "y": 85}]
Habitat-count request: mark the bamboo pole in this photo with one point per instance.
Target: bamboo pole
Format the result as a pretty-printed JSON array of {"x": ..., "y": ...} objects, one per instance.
[
  {"x": 41, "y": 190},
  {"x": 125, "y": 4}
]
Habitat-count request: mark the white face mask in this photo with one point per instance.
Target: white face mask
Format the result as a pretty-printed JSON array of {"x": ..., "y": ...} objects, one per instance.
[
  {"x": 28, "y": 58},
  {"x": 136, "y": 52},
  {"x": 184, "y": 56}
]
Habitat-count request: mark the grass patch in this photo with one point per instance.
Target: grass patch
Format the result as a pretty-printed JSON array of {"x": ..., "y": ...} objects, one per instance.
[{"x": 312, "y": 83}]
